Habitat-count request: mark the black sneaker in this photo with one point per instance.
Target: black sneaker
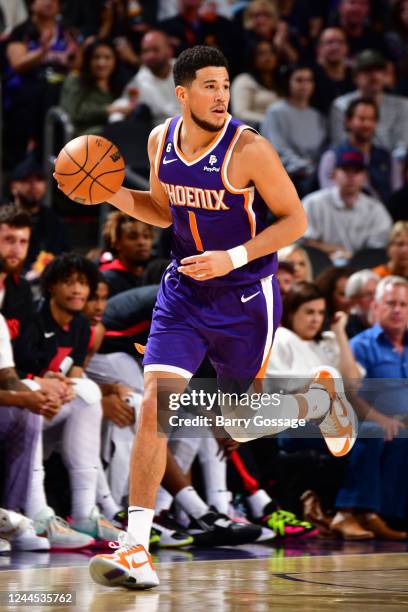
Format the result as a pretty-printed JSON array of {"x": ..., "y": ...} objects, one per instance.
[{"x": 216, "y": 529}]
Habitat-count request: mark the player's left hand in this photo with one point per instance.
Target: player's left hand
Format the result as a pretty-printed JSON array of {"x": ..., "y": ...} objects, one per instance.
[{"x": 207, "y": 265}]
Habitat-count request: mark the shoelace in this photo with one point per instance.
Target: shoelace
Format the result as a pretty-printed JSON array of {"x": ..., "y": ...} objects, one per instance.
[{"x": 59, "y": 524}]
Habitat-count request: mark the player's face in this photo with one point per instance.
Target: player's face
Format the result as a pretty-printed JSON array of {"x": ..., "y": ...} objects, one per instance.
[
  {"x": 206, "y": 99},
  {"x": 135, "y": 242},
  {"x": 308, "y": 319},
  {"x": 363, "y": 122},
  {"x": 71, "y": 294},
  {"x": 14, "y": 242},
  {"x": 95, "y": 307}
]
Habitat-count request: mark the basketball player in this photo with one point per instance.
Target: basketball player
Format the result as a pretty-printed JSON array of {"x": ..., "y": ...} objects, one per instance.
[{"x": 215, "y": 180}]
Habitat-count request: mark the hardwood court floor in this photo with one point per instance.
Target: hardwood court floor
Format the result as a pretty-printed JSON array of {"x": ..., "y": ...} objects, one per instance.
[{"x": 350, "y": 582}]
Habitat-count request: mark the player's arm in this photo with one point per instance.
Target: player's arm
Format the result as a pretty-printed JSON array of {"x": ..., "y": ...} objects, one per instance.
[
  {"x": 255, "y": 162},
  {"x": 264, "y": 169},
  {"x": 152, "y": 206}
]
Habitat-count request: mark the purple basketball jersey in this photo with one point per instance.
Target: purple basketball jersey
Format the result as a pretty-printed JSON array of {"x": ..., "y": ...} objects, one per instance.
[{"x": 208, "y": 213}]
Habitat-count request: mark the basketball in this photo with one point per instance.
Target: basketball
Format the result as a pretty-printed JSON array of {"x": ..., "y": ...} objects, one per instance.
[{"x": 89, "y": 169}]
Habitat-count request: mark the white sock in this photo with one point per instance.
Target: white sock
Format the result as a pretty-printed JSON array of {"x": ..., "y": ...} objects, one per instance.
[
  {"x": 163, "y": 500},
  {"x": 139, "y": 524},
  {"x": 257, "y": 502},
  {"x": 104, "y": 496},
  {"x": 214, "y": 468},
  {"x": 83, "y": 487},
  {"x": 220, "y": 499},
  {"x": 318, "y": 401},
  {"x": 36, "y": 500},
  {"x": 191, "y": 502}
]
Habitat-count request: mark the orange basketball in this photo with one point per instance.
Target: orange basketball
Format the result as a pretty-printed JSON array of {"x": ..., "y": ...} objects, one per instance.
[{"x": 89, "y": 169}]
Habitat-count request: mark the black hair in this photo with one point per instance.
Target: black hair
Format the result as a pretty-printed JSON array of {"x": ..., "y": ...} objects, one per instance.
[
  {"x": 100, "y": 278},
  {"x": 300, "y": 294},
  {"x": 251, "y": 63},
  {"x": 195, "y": 58},
  {"x": 63, "y": 266},
  {"x": 363, "y": 100},
  {"x": 86, "y": 77},
  {"x": 11, "y": 215},
  {"x": 327, "y": 281},
  {"x": 290, "y": 70}
]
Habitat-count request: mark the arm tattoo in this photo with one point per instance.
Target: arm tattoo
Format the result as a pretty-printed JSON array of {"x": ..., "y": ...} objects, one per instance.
[{"x": 9, "y": 381}]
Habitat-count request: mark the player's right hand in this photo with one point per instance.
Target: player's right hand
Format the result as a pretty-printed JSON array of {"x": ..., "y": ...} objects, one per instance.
[{"x": 38, "y": 402}]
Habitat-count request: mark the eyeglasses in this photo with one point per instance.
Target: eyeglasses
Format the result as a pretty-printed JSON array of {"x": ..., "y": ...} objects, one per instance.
[
  {"x": 400, "y": 244},
  {"x": 261, "y": 14}
]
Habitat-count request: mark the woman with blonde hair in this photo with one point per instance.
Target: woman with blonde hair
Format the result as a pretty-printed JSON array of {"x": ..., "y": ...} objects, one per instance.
[
  {"x": 397, "y": 251},
  {"x": 298, "y": 257},
  {"x": 261, "y": 22}
]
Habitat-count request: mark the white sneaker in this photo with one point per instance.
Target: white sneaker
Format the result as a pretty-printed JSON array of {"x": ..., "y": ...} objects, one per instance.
[
  {"x": 19, "y": 531},
  {"x": 129, "y": 566},
  {"x": 340, "y": 426},
  {"x": 5, "y": 546},
  {"x": 59, "y": 533},
  {"x": 170, "y": 538}
]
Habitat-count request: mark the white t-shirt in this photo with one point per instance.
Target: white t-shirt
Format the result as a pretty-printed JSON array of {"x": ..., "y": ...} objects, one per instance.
[{"x": 6, "y": 350}]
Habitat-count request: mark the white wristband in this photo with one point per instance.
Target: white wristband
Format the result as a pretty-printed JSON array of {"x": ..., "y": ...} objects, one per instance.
[
  {"x": 239, "y": 256},
  {"x": 31, "y": 384}
]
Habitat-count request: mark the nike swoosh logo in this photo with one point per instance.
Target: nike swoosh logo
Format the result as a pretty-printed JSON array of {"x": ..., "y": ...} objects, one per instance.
[
  {"x": 246, "y": 299},
  {"x": 49, "y": 334},
  {"x": 169, "y": 161},
  {"x": 136, "y": 565}
]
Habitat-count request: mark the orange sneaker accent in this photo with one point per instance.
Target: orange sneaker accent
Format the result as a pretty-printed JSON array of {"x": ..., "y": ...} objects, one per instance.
[
  {"x": 140, "y": 348},
  {"x": 325, "y": 379}
]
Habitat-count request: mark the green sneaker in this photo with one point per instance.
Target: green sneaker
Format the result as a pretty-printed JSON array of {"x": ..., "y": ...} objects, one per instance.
[
  {"x": 98, "y": 526},
  {"x": 286, "y": 525}
]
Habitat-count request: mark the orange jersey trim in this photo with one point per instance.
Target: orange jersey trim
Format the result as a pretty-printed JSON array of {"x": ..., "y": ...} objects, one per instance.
[{"x": 194, "y": 230}]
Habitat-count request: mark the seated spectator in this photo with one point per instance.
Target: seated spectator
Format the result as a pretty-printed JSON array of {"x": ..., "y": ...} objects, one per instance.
[
  {"x": 252, "y": 92},
  {"x": 40, "y": 52},
  {"x": 296, "y": 130},
  {"x": 353, "y": 18},
  {"x": 373, "y": 489},
  {"x": 398, "y": 203},
  {"x": 261, "y": 22},
  {"x": 333, "y": 76},
  {"x": 131, "y": 242},
  {"x": 88, "y": 97},
  {"x": 332, "y": 284},
  {"x": 190, "y": 27},
  {"x": 153, "y": 84},
  {"x": 370, "y": 78},
  {"x": 285, "y": 276},
  {"x": 397, "y": 36},
  {"x": 59, "y": 338},
  {"x": 300, "y": 261},
  {"x": 397, "y": 250},
  {"x": 360, "y": 292},
  {"x": 48, "y": 233},
  {"x": 382, "y": 171},
  {"x": 342, "y": 219},
  {"x": 301, "y": 345}
]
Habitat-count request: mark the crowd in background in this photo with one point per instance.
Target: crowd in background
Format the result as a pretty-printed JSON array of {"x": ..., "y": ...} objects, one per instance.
[{"x": 327, "y": 84}]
